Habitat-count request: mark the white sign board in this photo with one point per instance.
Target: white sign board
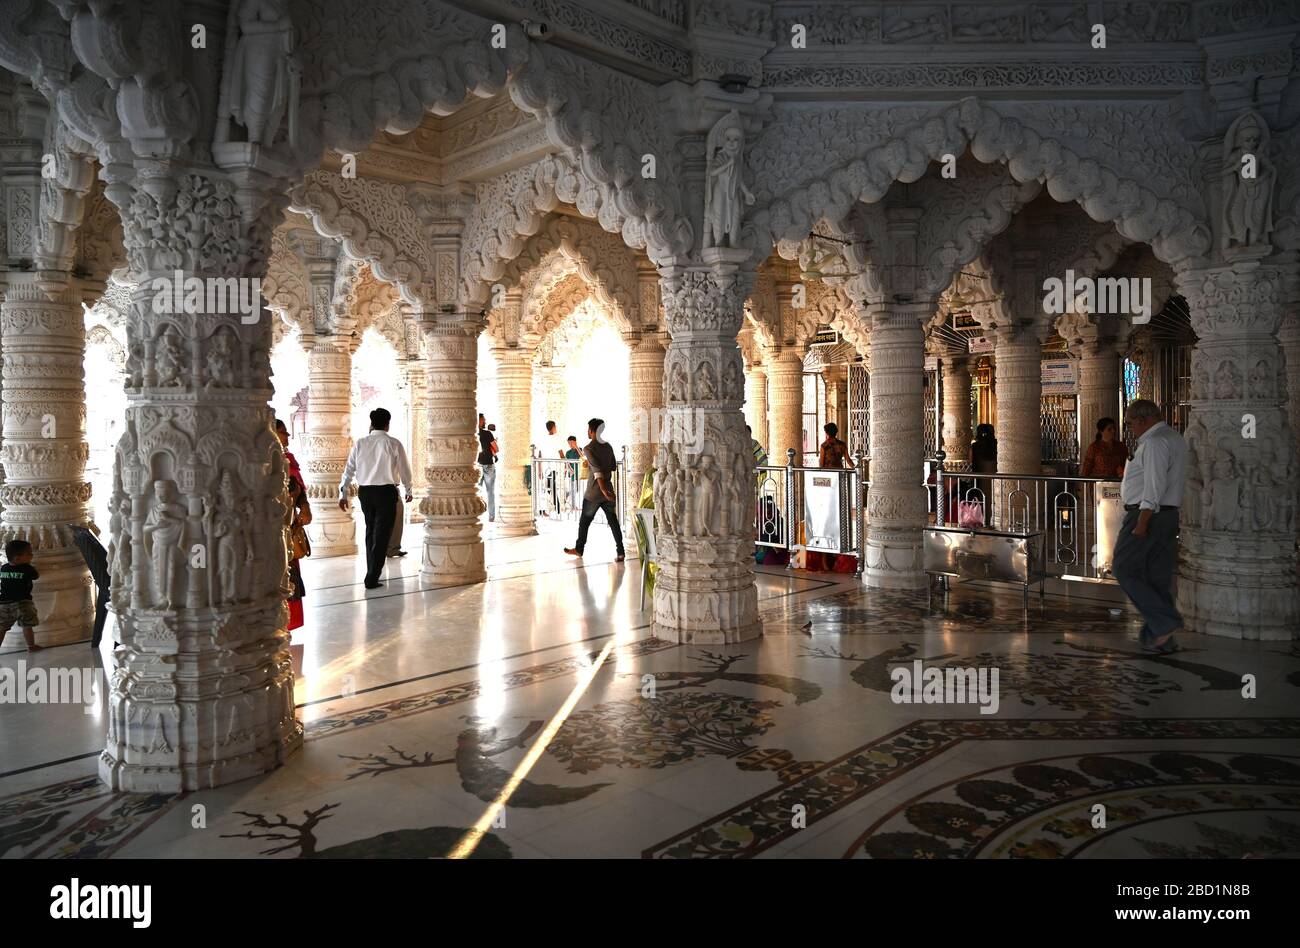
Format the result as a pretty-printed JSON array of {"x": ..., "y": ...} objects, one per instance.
[{"x": 1059, "y": 377}]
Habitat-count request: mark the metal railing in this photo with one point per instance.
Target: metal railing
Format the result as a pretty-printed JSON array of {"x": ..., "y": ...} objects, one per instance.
[
  {"x": 557, "y": 486},
  {"x": 811, "y": 508},
  {"x": 1064, "y": 509}
]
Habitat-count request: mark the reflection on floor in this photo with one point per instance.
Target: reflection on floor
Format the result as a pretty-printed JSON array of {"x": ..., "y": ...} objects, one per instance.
[{"x": 534, "y": 716}]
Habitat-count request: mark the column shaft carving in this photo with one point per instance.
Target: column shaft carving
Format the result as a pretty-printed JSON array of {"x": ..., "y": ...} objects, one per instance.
[
  {"x": 202, "y": 687},
  {"x": 1237, "y": 575},
  {"x": 417, "y": 383},
  {"x": 756, "y": 405},
  {"x": 1018, "y": 377},
  {"x": 515, "y": 403},
  {"x": 453, "y": 544},
  {"x": 703, "y": 487},
  {"x": 956, "y": 411},
  {"x": 785, "y": 405},
  {"x": 327, "y": 444},
  {"x": 896, "y": 499},
  {"x": 646, "y": 402},
  {"x": 1099, "y": 381},
  {"x": 44, "y": 454}
]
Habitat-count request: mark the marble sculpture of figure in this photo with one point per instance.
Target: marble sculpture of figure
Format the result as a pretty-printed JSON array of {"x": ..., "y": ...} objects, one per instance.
[
  {"x": 263, "y": 78},
  {"x": 726, "y": 189},
  {"x": 1247, "y": 202},
  {"x": 705, "y": 480},
  {"x": 165, "y": 528}
]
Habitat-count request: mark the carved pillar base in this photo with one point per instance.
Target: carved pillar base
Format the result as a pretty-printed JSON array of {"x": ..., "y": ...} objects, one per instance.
[
  {"x": 1237, "y": 575},
  {"x": 515, "y": 398},
  {"x": 453, "y": 543},
  {"x": 45, "y": 450},
  {"x": 896, "y": 499},
  {"x": 326, "y": 446},
  {"x": 704, "y": 495},
  {"x": 785, "y": 405},
  {"x": 202, "y": 686},
  {"x": 956, "y": 412}
]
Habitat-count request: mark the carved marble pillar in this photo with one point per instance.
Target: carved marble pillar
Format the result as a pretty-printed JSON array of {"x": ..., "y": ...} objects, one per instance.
[
  {"x": 514, "y": 405},
  {"x": 956, "y": 412},
  {"x": 417, "y": 382},
  {"x": 453, "y": 545},
  {"x": 1237, "y": 575},
  {"x": 646, "y": 402},
  {"x": 837, "y": 395},
  {"x": 1098, "y": 341},
  {"x": 1289, "y": 337},
  {"x": 704, "y": 484},
  {"x": 42, "y": 337},
  {"x": 556, "y": 390},
  {"x": 896, "y": 505},
  {"x": 202, "y": 685},
  {"x": 1143, "y": 354},
  {"x": 756, "y": 403},
  {"x": 1018, "y": 378},
  {"x": 327, "y": 443},
  {"x": 785, "y": 404}
]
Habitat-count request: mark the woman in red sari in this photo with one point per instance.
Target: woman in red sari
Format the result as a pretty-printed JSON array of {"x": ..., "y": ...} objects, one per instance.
[
  {"x": 298, "y": 545},
  {"x": 1107, "y": 455}
]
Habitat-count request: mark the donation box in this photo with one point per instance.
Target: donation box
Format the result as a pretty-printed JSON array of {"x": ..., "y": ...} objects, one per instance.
[
  {"x": 1110, "y": 517},
  {"x": 825, "y": 508}
]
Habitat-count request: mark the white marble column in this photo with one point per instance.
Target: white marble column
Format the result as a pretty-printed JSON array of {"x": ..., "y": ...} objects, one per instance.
[
  {"x": 646, "y": 402},
  {"x": 896, "y": 506},
  {"x": 1237, "y": 575},
  {"x": 514, "y": 406},
  {"x": 327, "y": 443},
  {"x": 453, "y": 544},
  {"x": 837, "y": 395},
  {"x": 43, "y": 340},
  {"x": 756, "y": 403},
  {"x": 202, "y": 686},
  {"x": 704, "y": 484},
  {"x": 1018, "y": 379},
  {"x": 1099, "y": 342},
  {"x": 785, "y": 404},
  {"x": 417, "y": 383},
  {"x": 956, "y": 412}
]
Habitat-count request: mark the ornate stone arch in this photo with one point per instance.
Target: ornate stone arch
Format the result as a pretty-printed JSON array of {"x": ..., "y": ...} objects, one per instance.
[
  {"x": 1136, "y": 209},
  {"x": 101, "y": 335}
]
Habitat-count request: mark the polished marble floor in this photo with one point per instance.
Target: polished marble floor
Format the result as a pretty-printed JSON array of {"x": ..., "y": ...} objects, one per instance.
[{"x": 535, "y": 716}]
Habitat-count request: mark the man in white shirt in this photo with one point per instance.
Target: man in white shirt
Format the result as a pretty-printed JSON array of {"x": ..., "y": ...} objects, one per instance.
[
  {"x": 552, "y": 447},
  {"x": 378, "y": 461},
  {"x": 1145, "y": 551}
]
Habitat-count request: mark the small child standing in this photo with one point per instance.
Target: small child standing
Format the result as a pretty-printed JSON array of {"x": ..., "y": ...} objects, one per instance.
[{"x": 16, "y": 578}]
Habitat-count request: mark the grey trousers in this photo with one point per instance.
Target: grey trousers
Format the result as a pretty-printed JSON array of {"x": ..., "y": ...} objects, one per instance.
[
  {"x": 1144, "y": 567},
  {"x": 395, "y": 541}
]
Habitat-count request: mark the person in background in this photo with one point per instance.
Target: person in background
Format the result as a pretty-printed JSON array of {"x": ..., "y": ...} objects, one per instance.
[
  {"x": 833, "y": 452},
  {"x": 1107, "y": 455},
  {"x": 983, "y": 460},
  {"x": 93, "y": 552},
  {"x": 760, "y": 453},
  {"x": 378, "y": 461},
  {"x": 487, "y": 460},
  {"x": 299, "y": 547},
  {"x": 571, "y": 456},
  {"x": 600, "y": 489},
  {"x": 1146, "y": 549},
  {"x": 282, "y": 432},
  {"x": 551, "y": 447},
  {"x": 16, "y": 578}
]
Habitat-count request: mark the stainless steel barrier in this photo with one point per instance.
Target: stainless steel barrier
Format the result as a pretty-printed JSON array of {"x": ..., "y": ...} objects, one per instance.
[
  {"x": 1075, "y": 515},
  {"x": 811, "y": 508},
  {"x": 557, "y": 486}
]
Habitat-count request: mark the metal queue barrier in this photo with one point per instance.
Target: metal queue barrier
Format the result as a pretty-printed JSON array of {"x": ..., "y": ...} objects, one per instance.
[
  {"x": 557, "y": 486},
  {"x": 1078, "y": 518},
  {"x": 811, "y": 508}
]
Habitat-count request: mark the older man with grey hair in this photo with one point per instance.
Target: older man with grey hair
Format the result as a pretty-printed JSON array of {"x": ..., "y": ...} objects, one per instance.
[{"x": 1146, "y": 550}]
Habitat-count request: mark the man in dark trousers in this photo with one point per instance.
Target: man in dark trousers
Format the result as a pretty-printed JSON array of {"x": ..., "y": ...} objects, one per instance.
[
  {"x": 92, "y": 551},
  {"x": 378, "y": 461},
  {"x": 602, "y": 465}
]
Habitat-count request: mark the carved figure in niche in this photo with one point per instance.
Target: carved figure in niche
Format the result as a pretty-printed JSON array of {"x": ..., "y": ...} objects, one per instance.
[
  {"x": 119, "y": 547},
  {"x": 1227, "y": 381},
  {"x": 931, "y": 28},
  {"x": 229, "y": 538},
  {"x": 667, "y": 505},
  {"x": 169, "y": 361},
  {"x": 262, "y": 83},
  {"x": 1247, "y": 202},
  {"x": 706, "y": 484},
  {"x": 725, "y": 191},
  {"x": 164, "y": 529},
  {"x": 220, "y": 362},
  {"x": 730, "y": 380},
  {"x": 1225, "y": 494},
  {"x": 134, "y": 363},
  {"x": 677, "y": 385},
  {"x": 706, "y": 387},
  {"x": 1202, "y": 387},
  {"x": 1192, "y": 493},
  {"x": 1259, "y": 380}
]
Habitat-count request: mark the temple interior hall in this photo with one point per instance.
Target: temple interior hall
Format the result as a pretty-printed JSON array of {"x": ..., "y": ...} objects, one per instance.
[{"x": 873, "y": 305}]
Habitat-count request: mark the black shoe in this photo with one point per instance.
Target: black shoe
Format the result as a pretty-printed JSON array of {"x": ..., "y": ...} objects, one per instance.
[{"x": 373, "y": 585}]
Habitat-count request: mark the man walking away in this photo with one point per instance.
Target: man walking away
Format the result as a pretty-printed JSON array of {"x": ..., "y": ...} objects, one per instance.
[
  {"x": 1145, "y": 552},
  {"x": 378, "y": 461},
  {"x": 600, "y": 489}
]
